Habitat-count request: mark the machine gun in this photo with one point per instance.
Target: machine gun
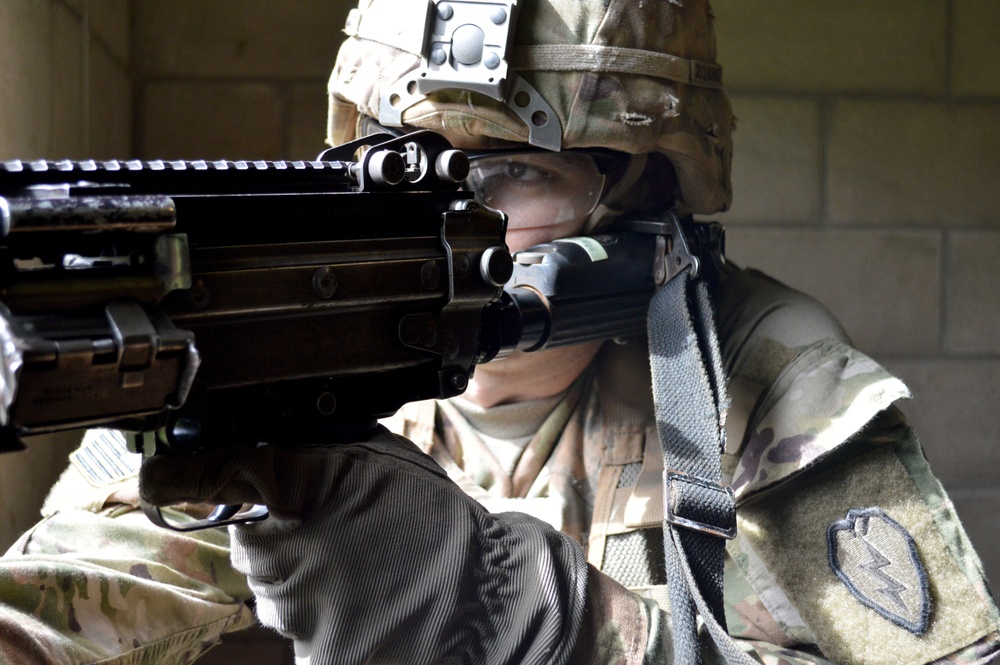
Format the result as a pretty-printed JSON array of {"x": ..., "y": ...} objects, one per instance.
[{"x": 200, "y": 303}]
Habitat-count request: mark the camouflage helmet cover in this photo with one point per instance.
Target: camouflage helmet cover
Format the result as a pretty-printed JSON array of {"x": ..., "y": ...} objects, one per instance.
[{"x": 637, "y": 77}]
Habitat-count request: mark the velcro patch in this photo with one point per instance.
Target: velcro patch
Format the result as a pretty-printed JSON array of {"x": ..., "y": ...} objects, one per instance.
[
  {"x": 876, "y": 558},
  {"x": 104, "y": 458}
]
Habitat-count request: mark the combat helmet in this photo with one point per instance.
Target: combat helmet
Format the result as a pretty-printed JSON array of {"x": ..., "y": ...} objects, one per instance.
[{"x": 638, "y": 77}]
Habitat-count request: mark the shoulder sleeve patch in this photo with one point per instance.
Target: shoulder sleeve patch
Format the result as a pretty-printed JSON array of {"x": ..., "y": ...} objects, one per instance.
[{"x": 877, "y": 559}]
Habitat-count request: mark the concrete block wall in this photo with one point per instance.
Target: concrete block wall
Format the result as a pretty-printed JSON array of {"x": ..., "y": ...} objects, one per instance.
[
  {"x": 866, "y": 168},
  {"x": 67, "y": 93},
  {"x": 66, "y": 72},
  {"x": 234, "y": 79}
]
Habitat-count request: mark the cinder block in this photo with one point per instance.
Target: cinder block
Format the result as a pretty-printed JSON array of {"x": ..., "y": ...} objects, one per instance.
[
  {"x": 25, "y": 479},
  {"x": 776, "y": 160},
  {"x": 68, "y": 138},
  {"x": 978, "y": 511},
  {"x": 976, "y": 51},
  {"x": 851, "y": 45},
  {"x": 26, "y": 102},
  {"x": 308, "y": 121},
  {"x": 953, "y": 411},
  {"x": 883, "y": 286},
  {"x": 110, "y": 21},
  {"x": 238, "y": 38},
  {"x": 972, "y": 307},
  {"x": 110, "y": 107},
  {"x": 192, "y": 120},
  {"x": 914, "y": 163}
]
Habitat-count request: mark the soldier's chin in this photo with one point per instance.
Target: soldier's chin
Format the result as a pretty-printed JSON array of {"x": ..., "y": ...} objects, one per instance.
[{"x": 499, "y": 362}]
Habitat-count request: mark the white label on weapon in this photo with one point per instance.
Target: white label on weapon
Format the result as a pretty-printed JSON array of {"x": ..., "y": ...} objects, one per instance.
[
  {"x": 103, "y": 458},
  {"x": 593, "y": 248}
]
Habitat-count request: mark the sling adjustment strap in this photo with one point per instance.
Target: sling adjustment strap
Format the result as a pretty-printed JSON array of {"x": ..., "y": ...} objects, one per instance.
[
  {"x": 699, "y": 504},
  {"x": 690, "y": 400}
]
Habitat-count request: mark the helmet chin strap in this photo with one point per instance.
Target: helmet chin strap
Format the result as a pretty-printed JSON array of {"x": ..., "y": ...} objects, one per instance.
[{"x": 612, "y": 204}]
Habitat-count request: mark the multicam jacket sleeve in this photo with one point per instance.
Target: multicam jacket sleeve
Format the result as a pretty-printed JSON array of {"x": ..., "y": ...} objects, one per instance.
[
  {"x": 95, "y": 581},
  {"x": 849, "y": 551}
]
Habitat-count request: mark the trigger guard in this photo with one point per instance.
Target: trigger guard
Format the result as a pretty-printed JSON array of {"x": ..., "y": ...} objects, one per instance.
[{"x": 221, "y": 516}]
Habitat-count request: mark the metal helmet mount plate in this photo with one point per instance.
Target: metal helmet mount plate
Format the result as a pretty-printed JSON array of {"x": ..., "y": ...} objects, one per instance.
[{"x": 465, "y": 45}]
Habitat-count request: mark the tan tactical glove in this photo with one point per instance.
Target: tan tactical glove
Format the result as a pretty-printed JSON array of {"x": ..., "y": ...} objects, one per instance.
[{"x": 372, "y": 554}]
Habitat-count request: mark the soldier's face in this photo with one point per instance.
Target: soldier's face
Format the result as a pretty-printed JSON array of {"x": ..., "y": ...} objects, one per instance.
[{"x": 545, "y": 195}]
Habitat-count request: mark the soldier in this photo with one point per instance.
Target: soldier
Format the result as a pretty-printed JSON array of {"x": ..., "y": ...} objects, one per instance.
[{"x": 847, "y": 548}]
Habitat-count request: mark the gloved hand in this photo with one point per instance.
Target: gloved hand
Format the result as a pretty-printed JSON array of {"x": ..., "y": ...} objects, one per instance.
[{"x": 372, "y": 554}]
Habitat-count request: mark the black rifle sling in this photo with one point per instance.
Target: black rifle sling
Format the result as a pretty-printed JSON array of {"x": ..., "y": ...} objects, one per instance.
[{"x": 690, "y": 400}]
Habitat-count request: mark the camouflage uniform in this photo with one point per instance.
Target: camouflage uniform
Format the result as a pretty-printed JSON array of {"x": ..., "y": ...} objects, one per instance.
[
  {"x": 812, "y": 436},
  {"x": 96, "y": 582}
]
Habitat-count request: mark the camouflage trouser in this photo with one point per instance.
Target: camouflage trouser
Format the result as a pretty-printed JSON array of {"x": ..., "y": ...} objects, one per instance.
[{"x": 102, "y": 584}]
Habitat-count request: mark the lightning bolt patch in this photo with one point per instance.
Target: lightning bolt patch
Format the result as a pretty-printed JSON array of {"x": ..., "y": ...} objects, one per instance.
[
  {"x": 892, "y": 588},
  {"x": 877, "y": 560}
]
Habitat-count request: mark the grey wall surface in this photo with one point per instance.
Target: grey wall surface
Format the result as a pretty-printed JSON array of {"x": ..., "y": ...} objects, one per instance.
[
  {"x": 866, "y": 169},
  {"x": 67, "y": 93},
  {"x": 235, "y": 79}
]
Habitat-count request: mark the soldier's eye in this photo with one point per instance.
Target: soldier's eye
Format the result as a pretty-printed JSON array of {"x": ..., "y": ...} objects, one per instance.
[{"x": 526, "y": 173}]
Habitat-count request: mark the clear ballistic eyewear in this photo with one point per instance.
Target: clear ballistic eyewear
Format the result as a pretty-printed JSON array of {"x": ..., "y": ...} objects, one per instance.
[{"x": 569, "y": 182}]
